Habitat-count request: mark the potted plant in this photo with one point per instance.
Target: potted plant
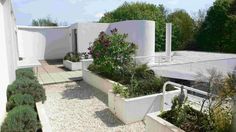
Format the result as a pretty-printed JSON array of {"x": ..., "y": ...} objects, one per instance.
[
  {"x": 214, "y": 115},
  {"x": 72, "y": 61},
  {"x": 132, "y": 89}
]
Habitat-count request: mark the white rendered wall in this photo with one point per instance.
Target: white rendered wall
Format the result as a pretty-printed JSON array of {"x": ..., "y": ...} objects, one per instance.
[
  {"x": 43, "y": 43},
  {"x": 8, "y": 52},
  {"x": 140, "y": 32},
  {"x": 87, "y": 33}
]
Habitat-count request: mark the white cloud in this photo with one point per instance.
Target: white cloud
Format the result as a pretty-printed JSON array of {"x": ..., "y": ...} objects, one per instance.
[
  {"x": 173, "y": 2},
  {"x": 74, "y": 1},
  {"x": 99, "y": 15}
]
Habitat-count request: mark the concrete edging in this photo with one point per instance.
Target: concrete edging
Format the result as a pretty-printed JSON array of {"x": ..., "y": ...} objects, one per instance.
[{"x": 43, "y": 117}]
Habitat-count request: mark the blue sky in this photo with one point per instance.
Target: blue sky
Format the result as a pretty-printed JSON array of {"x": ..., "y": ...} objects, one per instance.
[{"x": 72, "y": 11}]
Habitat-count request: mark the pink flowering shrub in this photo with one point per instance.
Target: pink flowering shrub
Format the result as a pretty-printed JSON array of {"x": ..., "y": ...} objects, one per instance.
[{"x": 111, "y": 53}]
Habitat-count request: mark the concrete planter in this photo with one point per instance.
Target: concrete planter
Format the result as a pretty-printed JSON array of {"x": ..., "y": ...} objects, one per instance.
[
  {"x": 154, "y": 123},
  {"x": 127, "y": 110},
  {"x": 98, "y": 82},
  {"x": 73, "y": 66},
  {"x": 135, "y": 109}
]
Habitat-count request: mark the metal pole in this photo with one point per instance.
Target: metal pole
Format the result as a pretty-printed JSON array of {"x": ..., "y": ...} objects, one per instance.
[{"x": 168, "y": 41}]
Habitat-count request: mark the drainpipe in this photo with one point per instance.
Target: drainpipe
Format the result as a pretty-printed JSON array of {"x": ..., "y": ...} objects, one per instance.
[{"x": 168, "y": 41}]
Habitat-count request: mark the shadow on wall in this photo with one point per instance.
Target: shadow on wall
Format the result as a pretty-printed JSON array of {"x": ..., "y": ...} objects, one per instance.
[{"x": 43, "y": 43}]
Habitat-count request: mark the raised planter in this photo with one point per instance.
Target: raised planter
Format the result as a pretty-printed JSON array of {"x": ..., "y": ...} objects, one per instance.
[
  {"x": 135, "y": 109},
  {"x": 73, "y": 66},
  {"x": 154, "y": 123},
  {"x": 127, "y": 110},
  {"x": 94, "y": 80},
  {"x": 98, "y": 82}
]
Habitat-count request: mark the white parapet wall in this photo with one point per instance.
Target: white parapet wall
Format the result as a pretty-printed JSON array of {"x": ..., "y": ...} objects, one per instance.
[
  {"x": 141, "y": 33},
  {"x": 8, "y": 52},
  {"x": 43, "y": 43}
]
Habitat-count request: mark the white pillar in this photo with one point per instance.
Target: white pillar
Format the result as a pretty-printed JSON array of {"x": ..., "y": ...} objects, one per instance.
[{"x": 168, "y": 41}]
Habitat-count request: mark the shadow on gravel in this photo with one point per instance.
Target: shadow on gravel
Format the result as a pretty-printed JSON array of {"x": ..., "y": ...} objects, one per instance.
[
  {"x": 108, "y": 118},
  {"x": 82, "y": 91}
]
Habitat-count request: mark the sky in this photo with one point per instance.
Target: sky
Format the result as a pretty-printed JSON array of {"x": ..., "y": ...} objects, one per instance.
[{"x": 72, "y": 11}]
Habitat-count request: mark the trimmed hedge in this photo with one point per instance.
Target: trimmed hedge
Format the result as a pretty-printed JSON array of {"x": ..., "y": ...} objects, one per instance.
[
  {"x": 21, "y": 119},
  {"x": 27, "y": 86},
  {"x": 25, "y": 73},
  {"x": 20, "y": 99}
]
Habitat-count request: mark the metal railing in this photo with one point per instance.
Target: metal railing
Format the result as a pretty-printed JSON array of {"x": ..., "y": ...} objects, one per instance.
[{"x": 178, "y": 86}]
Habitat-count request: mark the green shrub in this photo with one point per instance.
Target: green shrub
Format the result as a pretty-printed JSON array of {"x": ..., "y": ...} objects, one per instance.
[
  {"x": 139, "y": 80},
  {"x": 20, "y": 99},
  {"x": 141, "y": 11},
  {"x": 21, "y": 119},
  {"x": 111, "y": 53},
  {"x": 73, "y": 56},
  {"x": 25, "y": 73},
  {"x": 27, "y": 86}
]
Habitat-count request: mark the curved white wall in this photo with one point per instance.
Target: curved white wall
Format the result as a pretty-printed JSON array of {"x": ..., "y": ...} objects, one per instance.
[
  {"x": 43, "y": 43},
  {"x": 53, "y": 43},
  {"x": 140, "y": 32}
]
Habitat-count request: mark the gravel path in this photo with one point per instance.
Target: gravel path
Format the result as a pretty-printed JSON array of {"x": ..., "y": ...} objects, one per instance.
[{"x": 77, "y": 107}]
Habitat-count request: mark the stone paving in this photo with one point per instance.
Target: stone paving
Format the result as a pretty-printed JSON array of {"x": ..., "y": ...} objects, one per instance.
[
  {"x": 78, "y": 107},
  {"x": 51, "y": 72}
]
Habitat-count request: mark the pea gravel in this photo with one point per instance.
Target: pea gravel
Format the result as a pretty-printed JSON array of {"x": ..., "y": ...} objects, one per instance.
[{"x": 78, "y": 107}]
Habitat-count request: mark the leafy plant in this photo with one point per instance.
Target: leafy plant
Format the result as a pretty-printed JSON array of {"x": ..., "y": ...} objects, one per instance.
[
  {"x": 73, "y": 56},
  {"x": 216, "y": 116},
  {"x": 25, "y": 72},
  {"x": 27, "y": 86},
  {"x": 21, "y": 119},
  {"x": 20, "y": 99},
  {"x": 111, "y": 53}
]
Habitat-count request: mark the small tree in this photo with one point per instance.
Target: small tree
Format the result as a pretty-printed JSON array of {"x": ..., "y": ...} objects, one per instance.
[
  {"x": 141, "y": 11},
  {"x": 217, "y": 32},
  {"x": 111, "y": 53},
  {"x": 183, "y": 29},
  {"x": 44, "y": 22}
]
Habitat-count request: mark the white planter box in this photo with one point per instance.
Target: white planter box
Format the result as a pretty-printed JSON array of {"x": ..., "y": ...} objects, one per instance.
[
  {"x": 155, "y": 123},
  {"x": 96, "y": 81},
  {"x": 73, "y": 66},
  {"x": 135, "y": 109}
]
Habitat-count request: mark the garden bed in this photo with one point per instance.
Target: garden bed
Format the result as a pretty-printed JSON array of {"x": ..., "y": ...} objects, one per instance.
[
  {"x": 73, "y": 66},
  {"x": 154, "y": 123},
  {"x": 135, "y": 109},
  {"x": 21, "y": 107}
]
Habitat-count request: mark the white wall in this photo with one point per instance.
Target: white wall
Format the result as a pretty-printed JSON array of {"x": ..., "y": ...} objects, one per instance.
[
  {"x": 8, "y": 52},
  {"x": 140, "y": 32},
  {"x": 43, "y": 43},
  {"x": 53, "y": 43},
  {"x": 87, "y": 33}
]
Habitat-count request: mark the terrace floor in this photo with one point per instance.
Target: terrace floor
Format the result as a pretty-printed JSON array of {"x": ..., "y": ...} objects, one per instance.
[
  {"x": 78, "y": 107},
  {"x": 51, "y": 72}
]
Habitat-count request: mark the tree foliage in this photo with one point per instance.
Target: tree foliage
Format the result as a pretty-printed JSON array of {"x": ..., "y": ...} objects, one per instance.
[
  {"x": 217, "y": 32},
  {"x": 44, "y": 22},
  {"x": 183, "y": 29},
  {"x": 140, "y": 11}
]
